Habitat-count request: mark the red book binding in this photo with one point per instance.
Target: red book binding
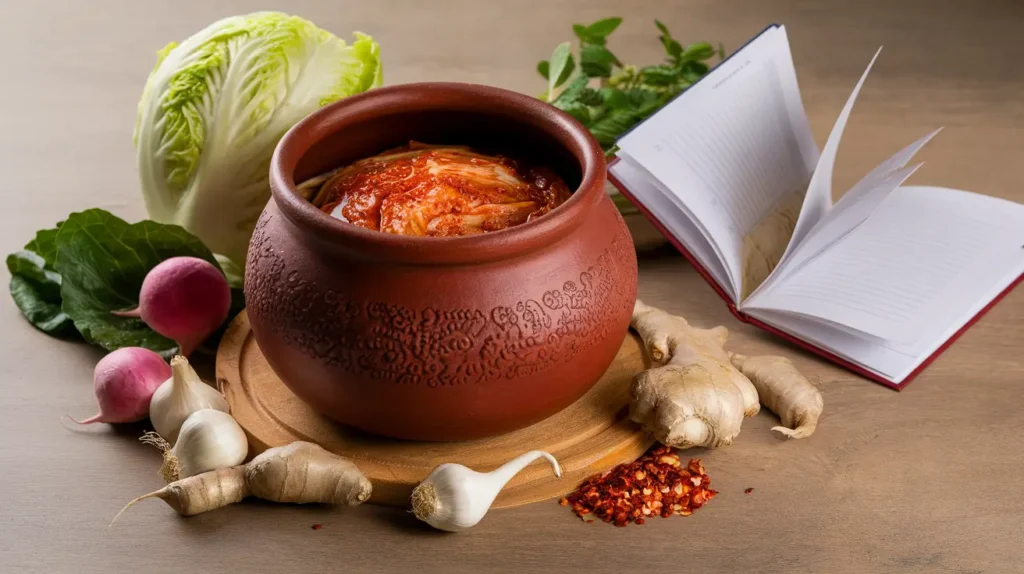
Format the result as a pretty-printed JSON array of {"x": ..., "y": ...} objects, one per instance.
[{"x": 800, "y": 342}]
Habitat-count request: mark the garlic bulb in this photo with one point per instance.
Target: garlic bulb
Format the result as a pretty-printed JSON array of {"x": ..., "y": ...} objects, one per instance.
[
  {"x": 454, "y": 498},
  {"x": 180, "y": 396},
  {"x": 209, "y": 440}
]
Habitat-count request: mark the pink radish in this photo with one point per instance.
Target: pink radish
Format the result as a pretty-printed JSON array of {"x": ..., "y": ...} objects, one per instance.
[
  {"x": 124, "y": 382},
  {"x": 184, "y": 299}
]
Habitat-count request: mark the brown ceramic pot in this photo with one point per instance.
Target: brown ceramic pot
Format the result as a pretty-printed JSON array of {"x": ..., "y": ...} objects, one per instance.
[{"x": 440, "y": 338}]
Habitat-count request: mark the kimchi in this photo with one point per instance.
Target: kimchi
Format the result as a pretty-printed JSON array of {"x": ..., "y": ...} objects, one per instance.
[{"x": 439, "y": 191}]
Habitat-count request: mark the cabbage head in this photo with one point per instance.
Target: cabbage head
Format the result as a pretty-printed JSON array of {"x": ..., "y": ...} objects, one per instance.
[{"x": 214, "y": 108}]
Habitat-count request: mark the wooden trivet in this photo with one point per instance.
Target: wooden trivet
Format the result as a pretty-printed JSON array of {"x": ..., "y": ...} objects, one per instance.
[{"x": 590, "y": 436}]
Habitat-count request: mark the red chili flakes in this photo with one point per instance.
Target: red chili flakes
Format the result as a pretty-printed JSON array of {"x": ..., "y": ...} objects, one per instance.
[
  {"x": 656, "y": 484},
  {"x": 317, "y": 526},
  {"x": 748, "y": 491}
]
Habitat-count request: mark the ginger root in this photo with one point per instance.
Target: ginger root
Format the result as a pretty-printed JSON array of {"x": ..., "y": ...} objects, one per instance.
[
  {"x": 300, "y": 472},
  {"x": 698, "y": 393},
  {"x": 785, "y": 392},
  {"x": 696, "y": 397},
  {"x": 322, "y": 477},
  {"x": 200, "y": 493}
]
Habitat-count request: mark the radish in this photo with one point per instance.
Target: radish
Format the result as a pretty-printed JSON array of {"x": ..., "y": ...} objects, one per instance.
[
  {"x": 184, "y": 299},
  {"x": 124, "y": 382}
]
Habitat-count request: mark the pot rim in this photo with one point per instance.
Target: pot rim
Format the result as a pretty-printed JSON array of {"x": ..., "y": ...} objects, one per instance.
[{"x": 443, "y": 96}]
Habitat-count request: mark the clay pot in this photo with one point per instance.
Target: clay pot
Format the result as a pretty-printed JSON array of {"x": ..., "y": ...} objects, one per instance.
[{"x": 440, "y": 338}]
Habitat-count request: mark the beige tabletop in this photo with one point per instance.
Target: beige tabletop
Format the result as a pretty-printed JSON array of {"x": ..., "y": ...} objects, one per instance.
[{"x": 926, "y": 480}]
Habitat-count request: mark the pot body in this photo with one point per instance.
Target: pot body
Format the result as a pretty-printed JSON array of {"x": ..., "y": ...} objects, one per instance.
[{"x": 414, "y": 346}]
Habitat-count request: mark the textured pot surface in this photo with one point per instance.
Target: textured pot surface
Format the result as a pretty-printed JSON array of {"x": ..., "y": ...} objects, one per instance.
[{"x": 440, "y": 338}]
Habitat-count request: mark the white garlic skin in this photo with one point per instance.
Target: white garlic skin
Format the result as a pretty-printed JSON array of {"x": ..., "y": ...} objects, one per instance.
[
  {"x": 209, "y": 439},
  {"x": 460, "y": 503},
  {"x": 180, "y": 396},
  {"x": 454, "y": 497}
]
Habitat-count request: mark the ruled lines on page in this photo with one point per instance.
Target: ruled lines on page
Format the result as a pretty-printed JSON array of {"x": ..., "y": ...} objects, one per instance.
[
  {"x": 745, "y": 155},
  {"x": 852, "y": 210},
  {"x": 673, "y": 216},
  {"x": 818, "y": 200},
  {"x": 924, "y": 254},
  {"x": 732, "y": 146}
]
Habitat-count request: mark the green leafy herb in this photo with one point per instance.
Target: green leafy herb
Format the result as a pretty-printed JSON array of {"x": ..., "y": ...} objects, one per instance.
[
  {"x": 45, "y": 244},
  {"x": 597, "y": 61},
  {"x": 68, "y": 279},
  {"x": 612, "y": 124},
  {"x": 699, "y": 51},
  {"x": 560, "y": 66},
  {"x": 35, "y": 288},
  {"x": 35, "y": 285},
  {"x": 622, "y": 95},
  {"x": 602, "y": 28},
  {"x": 659, "y": 75},
  {"x": 102, "y": 261}
]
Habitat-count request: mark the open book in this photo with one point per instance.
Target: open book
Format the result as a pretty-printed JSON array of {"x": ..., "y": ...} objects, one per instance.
[{"x": 879, "y": 282}]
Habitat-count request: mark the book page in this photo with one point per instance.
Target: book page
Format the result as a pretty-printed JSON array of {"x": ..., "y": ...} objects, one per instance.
[
  {"x": 818, "y": 200},
  {"x": 890, "y": 360},
  {"x": 732, "y": 146},
  {"x": 851, "y": 210},
  {"x": 672, "y": 215},
  {"x": 883, "y": 170},
  {"x": 922, "y": 257},
  {"x": 764, "y": 245}
]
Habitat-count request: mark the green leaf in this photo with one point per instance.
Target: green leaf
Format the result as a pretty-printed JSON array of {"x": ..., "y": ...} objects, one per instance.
[
  {"x": 35, "y": 285},
  {"x": 673, "y": 48},
  {"x": 578, "y": 111},
  {"x": 612, "y": 125},
  {"x": 586, "y": 38},
  {"x": 45, "y": 244},
  {"x": 693, "y": 71},
  {"x": 572, "y": 93},
  {"x": 698, "y": 51},
  {"x": 35, "y": 289},
  {"x": 542, "y": 68},
  {"x": 102, "y": 261},
  {"x": 596, "y": 61},
  {"x": 660, "y": 75},
  {"x": 591, "y": 97},
  {"x": 640, "y": 97},
  {"x": 663, "y": 28},
  {"x": 614, "y": 98},
  {"x": 233, "y": 272},
  {"x": 598, "y": 54},
  {"x": 596, "y": 70},
  {"x": 602, "y": 28},
  {"x": 560, "y": 67},
  {"x": 597, "y": 112},
  {"x": 567, "y": 72}
]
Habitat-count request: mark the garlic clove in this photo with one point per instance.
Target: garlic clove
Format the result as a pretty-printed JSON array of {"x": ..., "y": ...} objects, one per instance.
[
  {"x": 180, "y": 396},
  {"x": 454, "y": 497},
  {"x": 209, "y": 440}
]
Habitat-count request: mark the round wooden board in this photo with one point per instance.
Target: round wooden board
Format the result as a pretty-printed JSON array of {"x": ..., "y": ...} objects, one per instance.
[{"x": 590, "y": 436}]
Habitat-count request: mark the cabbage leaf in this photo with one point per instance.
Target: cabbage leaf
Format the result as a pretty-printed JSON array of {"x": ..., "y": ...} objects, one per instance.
[{"x": 214, "y": 108}]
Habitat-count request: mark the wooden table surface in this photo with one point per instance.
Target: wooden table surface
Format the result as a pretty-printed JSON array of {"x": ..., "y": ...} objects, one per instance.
[{"x": 927, "y": 480}]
